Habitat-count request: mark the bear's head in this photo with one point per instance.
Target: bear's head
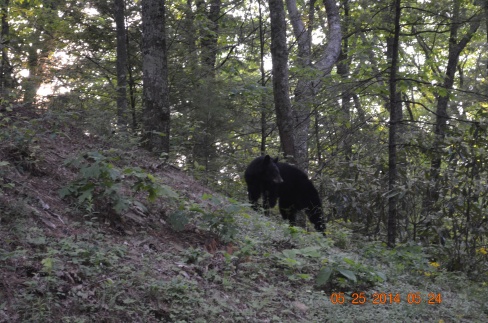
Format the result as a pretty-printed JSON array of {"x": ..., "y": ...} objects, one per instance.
[{"x": 271, "y": 173}]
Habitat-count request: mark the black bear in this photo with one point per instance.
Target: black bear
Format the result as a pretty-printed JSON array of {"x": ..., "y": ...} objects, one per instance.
[{"x": 271, "y": 180}]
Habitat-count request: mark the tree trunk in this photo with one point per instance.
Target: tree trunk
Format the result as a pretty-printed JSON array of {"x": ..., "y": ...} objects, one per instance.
[
  {"x": 209, "y": 35},
  {"x": 43, "y": 45},
  {"x": 208, "y": 31},
  {"x": 281, "y": 87},
  {"x": 264, "y": 129},
  {"x": 32, "y": 83},
  {"x": 306, "y": 90},
  {"x": 122, "y": 116},
  {"x": 156, "y": 115},
  {"x": 334, "y": 38},
  {"x": 395, "y": 120},
  {"x": 5, "y": 68},
  {"x": 455, "y": 49},
  {"x": 343, "y": 70}
]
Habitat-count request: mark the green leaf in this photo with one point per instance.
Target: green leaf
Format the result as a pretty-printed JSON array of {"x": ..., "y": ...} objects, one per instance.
[
  {"x": 349, "y": 261},
  {"x": 165, "y": 190},
  {"x": 140, "y": 206},
  {"x": 381, "y": 275},
  {"x": 289, "y": 253},
  {"x": 65, "y": 191},
  {"x": 92, "y": 171},
  {"x": 86, "y": 195},
  {"x": 311, "y": 252},
  {"x": 121, "y": 206},
  {"x": 178, "y": 220},
  {"x": 47, "y": 264},
  {"x": 114, "y": 173},
  {"x": 323, "y": 276},
  {"x": 196, "y": 208},
  {"x": 348, "y": 274}
]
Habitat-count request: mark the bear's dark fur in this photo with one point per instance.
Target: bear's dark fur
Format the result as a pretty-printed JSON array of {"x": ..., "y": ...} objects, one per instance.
[
  {"x": 271, "y": 180},
  {"x": 262, "y": 178}
]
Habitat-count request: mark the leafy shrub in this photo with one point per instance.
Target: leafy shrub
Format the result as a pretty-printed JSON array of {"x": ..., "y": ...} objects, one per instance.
[
  {"x": 349, "y": 275},
  {"x": 100, "y": 183},
  {"x": 299, "y": 263},
  {"x": 23, "y": 149},
  {"x": 406, "y": 258},
  {"x": 220, "y": 220}
]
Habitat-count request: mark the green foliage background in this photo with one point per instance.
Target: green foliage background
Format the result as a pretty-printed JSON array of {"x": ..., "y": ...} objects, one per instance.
[{"x": 219, "y": 119}]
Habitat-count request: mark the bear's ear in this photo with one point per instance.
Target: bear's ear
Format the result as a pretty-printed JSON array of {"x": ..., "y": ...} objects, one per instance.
[{"x": 266, "y": 159}]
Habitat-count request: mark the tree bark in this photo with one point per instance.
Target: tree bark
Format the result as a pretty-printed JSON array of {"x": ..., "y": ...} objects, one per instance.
[
  {"x": 43, "y": 43},
  {"x": 208, "y": 31},
  {"x": 264, "y": 129},
  {"x": 304, "y": 91},
  {"x": 395, "y": 120},
  {"x": 334, "y": 39},
  {"x": 5, "y": 68},
  {"x": 456, "y": 46},
  {"x": 156, "y": 115},
  {"x": 209, "y": 34},
  {"x": 306, "y": 88},
  {"x": 37, "y": 55},
  {"x": 281, "y": 87},
  {"x": 122, "y": 116},
  {"x": 343, "y": 70}
]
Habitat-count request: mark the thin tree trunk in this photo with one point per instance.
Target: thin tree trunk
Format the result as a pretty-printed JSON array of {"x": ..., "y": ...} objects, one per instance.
[
  {"x": 208, "y": 32},
  {"x": 32, "y": 83},
  {"x": 191, "y": 35},
  {"x": 281, "y": 87},
  {"x": 132, "y": 96},
  {"x": 209, "y": 35},
  {"x": 343, "y": 71},
  {"x": 455, "y": 48},
  {"x": 263, "y": 83},
  {"x": 156, "y": 115},
  {"x": 5, "y": 68},
  {"x": 395, "y": 120},
  {"x": 122, "y": 119},
  {"x": 131, "y": 82}
]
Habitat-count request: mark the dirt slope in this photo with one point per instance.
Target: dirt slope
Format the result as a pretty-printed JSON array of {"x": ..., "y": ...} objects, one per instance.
[{"x": 197, "y": 257}]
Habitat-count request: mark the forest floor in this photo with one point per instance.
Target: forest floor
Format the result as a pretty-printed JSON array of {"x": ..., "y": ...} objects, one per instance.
[{"x": 97, "y": 230}]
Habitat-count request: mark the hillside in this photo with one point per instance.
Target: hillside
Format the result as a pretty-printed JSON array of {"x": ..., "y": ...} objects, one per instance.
[{"x": 134, "y": 240}]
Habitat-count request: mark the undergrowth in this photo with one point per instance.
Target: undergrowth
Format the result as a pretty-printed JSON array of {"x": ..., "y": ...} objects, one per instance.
[
  {"x": 99, "y": 185},
  {"x": 92, "y": 276},
  {"x": 187, "y": 259}
]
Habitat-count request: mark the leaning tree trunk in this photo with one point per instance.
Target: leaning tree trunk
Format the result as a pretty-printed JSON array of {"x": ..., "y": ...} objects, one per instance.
[
  {"x": 304, "y": 91},
  {"x": 156, "y": 114},
  {"x": 455, "y": 48},
  {"x": 307, "y": 86}
]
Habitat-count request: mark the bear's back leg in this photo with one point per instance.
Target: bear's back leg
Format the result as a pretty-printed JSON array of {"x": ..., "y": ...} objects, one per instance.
[{"x": 288, "y": 212}]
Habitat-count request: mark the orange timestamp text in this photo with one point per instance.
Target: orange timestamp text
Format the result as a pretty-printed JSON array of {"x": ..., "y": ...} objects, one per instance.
[{"x": 360, "y": 298}]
